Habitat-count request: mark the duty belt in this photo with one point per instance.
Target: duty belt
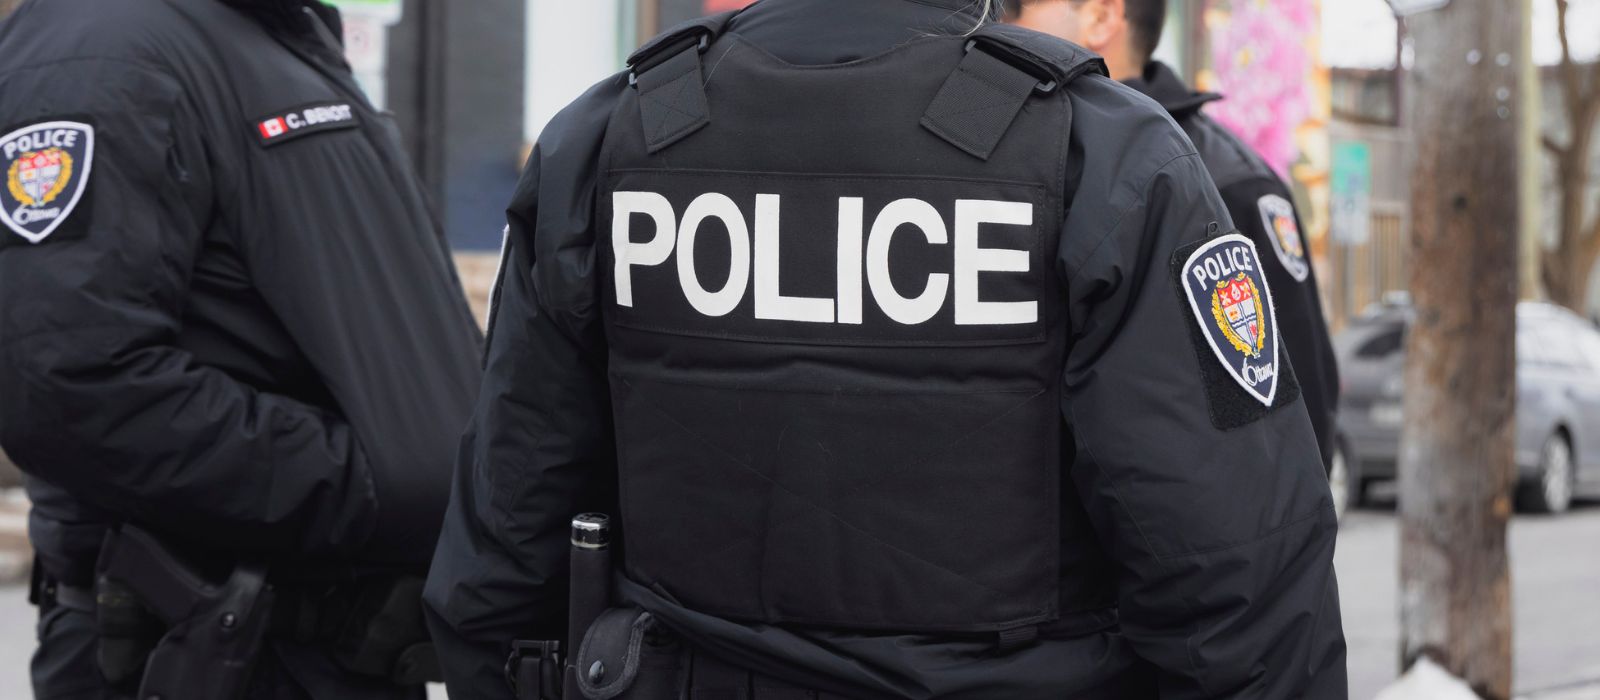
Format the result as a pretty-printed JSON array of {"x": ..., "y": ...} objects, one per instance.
[{"x": 46, "y": 592}]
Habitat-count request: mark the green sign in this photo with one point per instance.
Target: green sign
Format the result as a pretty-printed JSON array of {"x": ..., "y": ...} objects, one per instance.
[{"x": 1352, "y": 192}]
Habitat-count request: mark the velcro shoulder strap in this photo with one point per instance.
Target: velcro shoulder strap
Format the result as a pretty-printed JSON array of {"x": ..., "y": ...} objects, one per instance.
[
  {"x": 1003, "y": 68},
  {"x": 1063, "y": 61},
  {"x": 667, "y": 73}
]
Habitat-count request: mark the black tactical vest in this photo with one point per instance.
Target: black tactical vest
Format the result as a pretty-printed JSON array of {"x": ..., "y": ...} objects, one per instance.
[{"x": 836, "y": 331}]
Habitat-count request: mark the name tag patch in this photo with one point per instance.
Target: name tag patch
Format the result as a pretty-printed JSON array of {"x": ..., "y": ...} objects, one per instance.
[
  {"x": 1225, "y": 288},
  {"x": 46, "y": 169},
  {"x": 304, "y": 121}
]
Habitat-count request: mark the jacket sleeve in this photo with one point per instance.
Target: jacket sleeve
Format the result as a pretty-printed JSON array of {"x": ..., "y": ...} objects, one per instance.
[
  {"x": 1223, "y": 539},
  {"x": 100, "y": 400},
  {"x": 540, "y": 447},
  {"x": 1305, "y": 330}
]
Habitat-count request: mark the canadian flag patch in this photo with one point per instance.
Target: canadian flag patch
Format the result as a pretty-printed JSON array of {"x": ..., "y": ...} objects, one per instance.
[
  {"x": 273, "y": 127},
  {"x": 303, "y": 121}
]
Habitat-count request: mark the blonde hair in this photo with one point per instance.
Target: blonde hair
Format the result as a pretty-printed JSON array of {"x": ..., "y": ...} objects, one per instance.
[{"x": 985, "y": 11}]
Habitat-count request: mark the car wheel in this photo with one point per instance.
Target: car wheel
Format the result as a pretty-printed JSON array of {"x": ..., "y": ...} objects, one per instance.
[
  {"x": 1339, "y": 482},
  {"x": 1550, "y": 491}
]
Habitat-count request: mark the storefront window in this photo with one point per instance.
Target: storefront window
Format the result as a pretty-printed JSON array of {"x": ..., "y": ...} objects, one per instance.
[{"x": 656, "y": 15}]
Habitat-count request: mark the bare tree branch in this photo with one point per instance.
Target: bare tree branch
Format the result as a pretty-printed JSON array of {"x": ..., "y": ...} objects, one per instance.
[
  {"x": 1571, "y": 80},
  {"x": 1568, "y": 266}
]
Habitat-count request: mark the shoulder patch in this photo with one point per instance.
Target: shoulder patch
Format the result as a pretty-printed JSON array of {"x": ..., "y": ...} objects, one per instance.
[
  {"x": 1224, "y": 285},
  {"x": 1277, "y": 218},
  {"x": 46, "y": 169}
]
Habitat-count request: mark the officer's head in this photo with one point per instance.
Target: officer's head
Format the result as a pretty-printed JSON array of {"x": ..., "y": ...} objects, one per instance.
[{"x": 1125, "y": 32}]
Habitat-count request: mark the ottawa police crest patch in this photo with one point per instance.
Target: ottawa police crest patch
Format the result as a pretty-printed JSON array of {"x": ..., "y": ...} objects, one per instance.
[
  {"x": 46, "y": 169},
  {"x": 1228, "y": 293},
  {"x": 1277, "y": 215}
]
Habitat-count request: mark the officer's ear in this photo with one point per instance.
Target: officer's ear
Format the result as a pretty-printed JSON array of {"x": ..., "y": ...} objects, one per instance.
[{"x": 1105, "y": 24}]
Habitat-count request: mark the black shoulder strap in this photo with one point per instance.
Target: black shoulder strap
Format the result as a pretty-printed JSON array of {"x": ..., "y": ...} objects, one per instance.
[
  {"x": 1003, "y": 68},
  {"x": 667, "y": 73}
]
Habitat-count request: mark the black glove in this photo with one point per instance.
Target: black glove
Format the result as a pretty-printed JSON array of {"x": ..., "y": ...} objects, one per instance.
[{"x": 385, "y": 636}]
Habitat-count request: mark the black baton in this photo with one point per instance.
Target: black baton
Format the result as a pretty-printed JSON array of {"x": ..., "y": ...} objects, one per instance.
[{"x": 590, "y": 591}]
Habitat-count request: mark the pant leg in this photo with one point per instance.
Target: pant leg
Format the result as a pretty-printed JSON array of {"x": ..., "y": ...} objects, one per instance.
[{"x": 64, "y": 665}]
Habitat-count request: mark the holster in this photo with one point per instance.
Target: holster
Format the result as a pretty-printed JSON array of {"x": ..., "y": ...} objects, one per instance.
[
  {"x": 214, "y": 631},
  {"x": 626, "y": 656}
]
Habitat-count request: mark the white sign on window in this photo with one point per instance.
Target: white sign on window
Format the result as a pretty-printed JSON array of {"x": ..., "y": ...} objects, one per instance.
[{"x": 385, "y": 11}]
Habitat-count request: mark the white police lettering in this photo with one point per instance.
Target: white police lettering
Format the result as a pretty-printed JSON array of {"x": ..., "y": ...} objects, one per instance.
[
  {"x": 971, "y": 260},
  {"x": 654, "y": 252},
  {"x": 1223, "y": 263},
  {"x": 854, "y": 251},
  {"x": 851, "y": 219},
  {"x": 770, "y": 303},
  {"x": 40, "y": 140},
  {"x": 721, "y": 207},
  {"x": 925, "y": 305}
]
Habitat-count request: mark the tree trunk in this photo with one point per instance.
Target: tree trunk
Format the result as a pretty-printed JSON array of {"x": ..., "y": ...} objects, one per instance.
[
  {"x": 1456, "y": 469},
  {"x": 1568, "y": 267}
]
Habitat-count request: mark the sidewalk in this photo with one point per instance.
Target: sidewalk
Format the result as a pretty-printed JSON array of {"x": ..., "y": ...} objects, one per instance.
[
  {"x": 1586, "y": 691},
  {"x": 16, "y": 555}
]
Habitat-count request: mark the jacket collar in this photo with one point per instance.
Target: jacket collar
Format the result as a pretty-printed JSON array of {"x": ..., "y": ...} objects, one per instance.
[
  {"x": 288, "y": 15},
  {"x": 1160, "y": 83}
]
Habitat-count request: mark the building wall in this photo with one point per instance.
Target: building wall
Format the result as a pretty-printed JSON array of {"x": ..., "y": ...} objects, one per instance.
[
  {"x": 571, "y": 46},
  {"x": 1265, "y": 58},
  {"x": 455, "y": 84}
]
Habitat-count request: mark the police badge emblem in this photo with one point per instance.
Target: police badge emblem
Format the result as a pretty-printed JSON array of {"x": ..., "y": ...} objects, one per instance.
[
  {"x": 46, "y": 168},
  {"x": 1277, "y": 215},
  {"x": 1228, "y": 293}
]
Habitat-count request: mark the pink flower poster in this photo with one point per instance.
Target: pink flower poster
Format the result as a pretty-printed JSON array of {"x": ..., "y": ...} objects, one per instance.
[{"x": 1264, "y": 57}]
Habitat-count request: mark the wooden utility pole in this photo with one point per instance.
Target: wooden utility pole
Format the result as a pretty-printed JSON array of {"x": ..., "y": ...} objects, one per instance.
[{"x": 1456, "y": 469}]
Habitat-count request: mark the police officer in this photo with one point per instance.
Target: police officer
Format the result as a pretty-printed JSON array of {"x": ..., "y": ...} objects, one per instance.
[
  {"x": 914, "y": 359},
  {"x": 1126, "y": 33},
  {"x": 227, "y": 321}
]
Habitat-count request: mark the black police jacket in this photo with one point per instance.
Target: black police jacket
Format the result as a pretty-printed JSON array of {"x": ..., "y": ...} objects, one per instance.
[
  {"x": 1263, "y": 209},
  {"x": 1195, "y": 526},
  {"x": 226, "y": 314}
]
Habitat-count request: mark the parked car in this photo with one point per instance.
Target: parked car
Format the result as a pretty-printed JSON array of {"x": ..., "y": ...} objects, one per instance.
[{"x": 1558, "y": 405}]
